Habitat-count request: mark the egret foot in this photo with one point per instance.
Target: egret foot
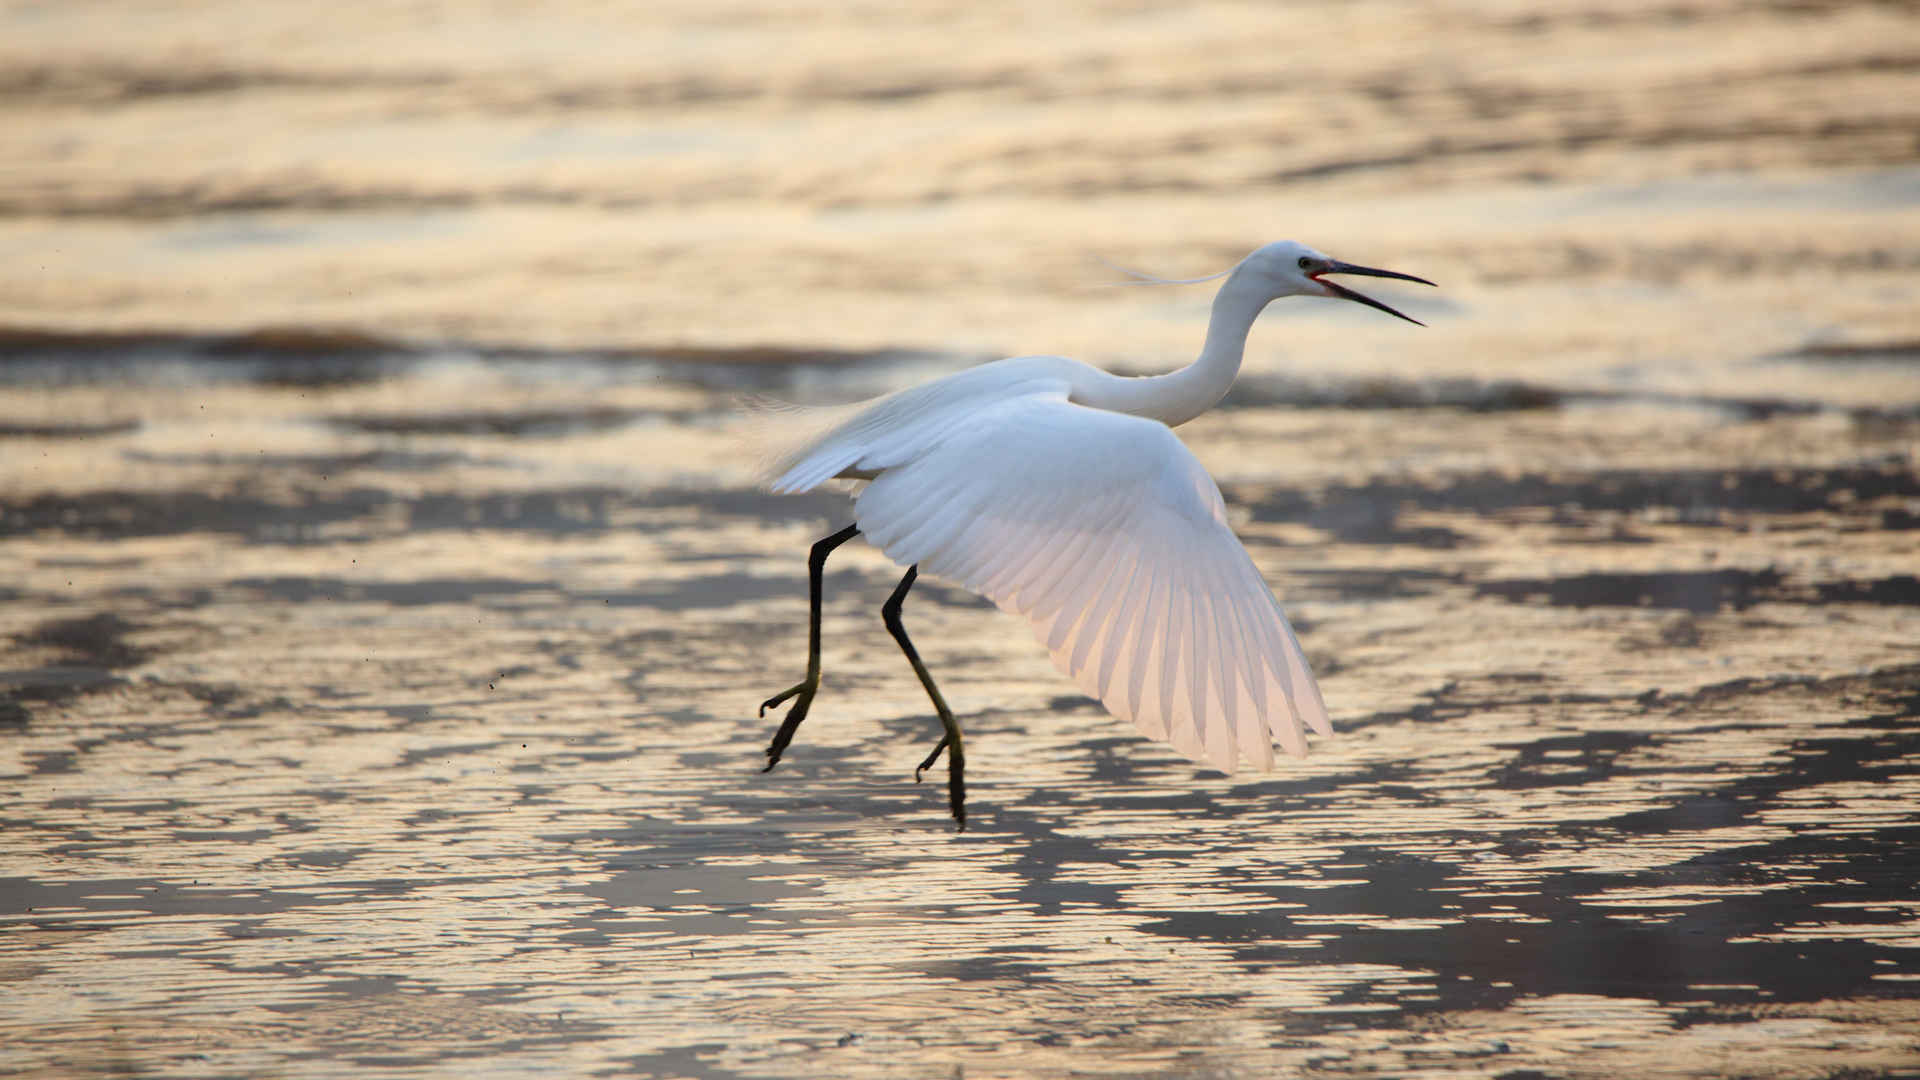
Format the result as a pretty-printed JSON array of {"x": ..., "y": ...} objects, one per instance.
[{"x": 804, "y": 693}]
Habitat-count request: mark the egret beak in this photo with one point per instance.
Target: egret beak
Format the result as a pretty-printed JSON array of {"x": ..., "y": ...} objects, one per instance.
[{"x": 1345, "y": 293}]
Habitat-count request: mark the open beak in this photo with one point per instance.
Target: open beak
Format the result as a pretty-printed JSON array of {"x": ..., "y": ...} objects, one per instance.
[{"x": 1345, "y": 293}]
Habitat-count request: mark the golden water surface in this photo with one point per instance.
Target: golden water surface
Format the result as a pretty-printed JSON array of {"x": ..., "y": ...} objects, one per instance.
[{"x": 387, "y": 595}]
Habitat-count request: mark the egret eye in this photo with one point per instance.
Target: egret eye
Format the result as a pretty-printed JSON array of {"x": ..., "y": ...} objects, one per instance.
[{"x": 1306, "y": 263}]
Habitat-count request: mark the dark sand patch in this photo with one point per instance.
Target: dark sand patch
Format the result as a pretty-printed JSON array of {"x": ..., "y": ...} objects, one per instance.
[
  {"x": 523, "y": 423},
  {"x": 77, "y": 430},
  {"x": 1700, "y": 592},
  {"x": 1703, "y": 497},
  {"x": 1858, "y": 352},
  {"x": 323, "y": 357}
]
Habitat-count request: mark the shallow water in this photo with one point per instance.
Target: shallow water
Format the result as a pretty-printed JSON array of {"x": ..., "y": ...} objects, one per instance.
[
  {"x": 347, "y": 737},
  {"x": 388, "y": 597}
]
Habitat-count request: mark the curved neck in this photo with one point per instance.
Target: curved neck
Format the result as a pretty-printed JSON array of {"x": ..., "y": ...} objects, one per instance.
[{"x": 1179, "y": 396}]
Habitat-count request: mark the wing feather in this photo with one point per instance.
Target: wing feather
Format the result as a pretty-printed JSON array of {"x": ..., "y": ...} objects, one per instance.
[
  {"x": 1277, "y": 649},
  {"x": 1250, "y": 681},
  {"x": 1170, "y": 681},
  {"x": 1081, "y": 602},
  {"x": 1155, "y": 639},
  {"x": 1102, "y": 611},
  {"x": 1076, "y": 562},
  {"x": 1198, "y": 680},
  {"x": 1109, "y": 537},
  {"x": 1124, "y": 638},
  {"x": 935, "y": 529},
  {"x": 1222, "y": 668},
  {"x": 970, "y": 549}
]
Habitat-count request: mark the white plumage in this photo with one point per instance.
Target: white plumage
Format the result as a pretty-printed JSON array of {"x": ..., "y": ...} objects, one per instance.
[
  {"x": 1061, "y": 493},
  {"x": 1103, "y": 531}
]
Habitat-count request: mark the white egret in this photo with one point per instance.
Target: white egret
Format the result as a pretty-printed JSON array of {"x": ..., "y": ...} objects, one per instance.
[{"x": 1060, "y": 492}]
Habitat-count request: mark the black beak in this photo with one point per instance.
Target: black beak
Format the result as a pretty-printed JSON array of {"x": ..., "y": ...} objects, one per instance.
[{"x": 1345, "y": 293}]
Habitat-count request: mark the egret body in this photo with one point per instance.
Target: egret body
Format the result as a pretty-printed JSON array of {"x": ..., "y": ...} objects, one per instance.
[{"x": 1060, "y": 492}]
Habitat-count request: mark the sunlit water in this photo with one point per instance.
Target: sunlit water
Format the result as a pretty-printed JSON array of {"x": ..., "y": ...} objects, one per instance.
[{"x": 388, "y": 597}]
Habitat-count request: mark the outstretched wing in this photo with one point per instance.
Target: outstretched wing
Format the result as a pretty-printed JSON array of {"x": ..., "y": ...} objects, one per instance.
[{"x": 1108, "y": 535}]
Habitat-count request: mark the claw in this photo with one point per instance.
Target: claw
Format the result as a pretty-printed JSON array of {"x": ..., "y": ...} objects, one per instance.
[
  {"x": 931, "y": 758},
  {"x": 775, "y": 700},
  {"x": 804, "y": 692}
]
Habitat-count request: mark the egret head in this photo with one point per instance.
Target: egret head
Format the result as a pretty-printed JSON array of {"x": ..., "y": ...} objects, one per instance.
[{"x": 1288, "y": 268}]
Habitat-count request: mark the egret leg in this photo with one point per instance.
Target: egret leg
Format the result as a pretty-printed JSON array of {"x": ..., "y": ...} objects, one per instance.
[
  {"x": 804, "y": 690},
  {"x": 950, "y": 742}
]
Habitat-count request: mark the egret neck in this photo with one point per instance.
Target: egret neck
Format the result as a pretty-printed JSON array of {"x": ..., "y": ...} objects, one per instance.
[{"x": 1178, "y": 396}]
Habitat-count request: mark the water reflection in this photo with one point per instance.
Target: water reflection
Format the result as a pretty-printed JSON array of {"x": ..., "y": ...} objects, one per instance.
[{"x": 384, "y": 628}]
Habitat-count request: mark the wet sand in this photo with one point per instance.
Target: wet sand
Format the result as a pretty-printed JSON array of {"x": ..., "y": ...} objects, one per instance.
[{"x": 388, "y": 596}]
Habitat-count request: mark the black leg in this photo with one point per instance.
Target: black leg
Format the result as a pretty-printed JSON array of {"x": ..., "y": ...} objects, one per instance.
[
  {"x": 950, "y": 742},
  {"x": 806, "y": 688}
]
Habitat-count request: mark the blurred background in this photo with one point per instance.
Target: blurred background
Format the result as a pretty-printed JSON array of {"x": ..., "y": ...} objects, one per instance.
[
  {"x": 388, "y": 593},
  {"x": 946, "y": 177}
]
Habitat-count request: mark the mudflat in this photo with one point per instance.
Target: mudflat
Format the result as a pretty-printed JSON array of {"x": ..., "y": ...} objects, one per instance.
[{"x": 388, "y": 594}]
